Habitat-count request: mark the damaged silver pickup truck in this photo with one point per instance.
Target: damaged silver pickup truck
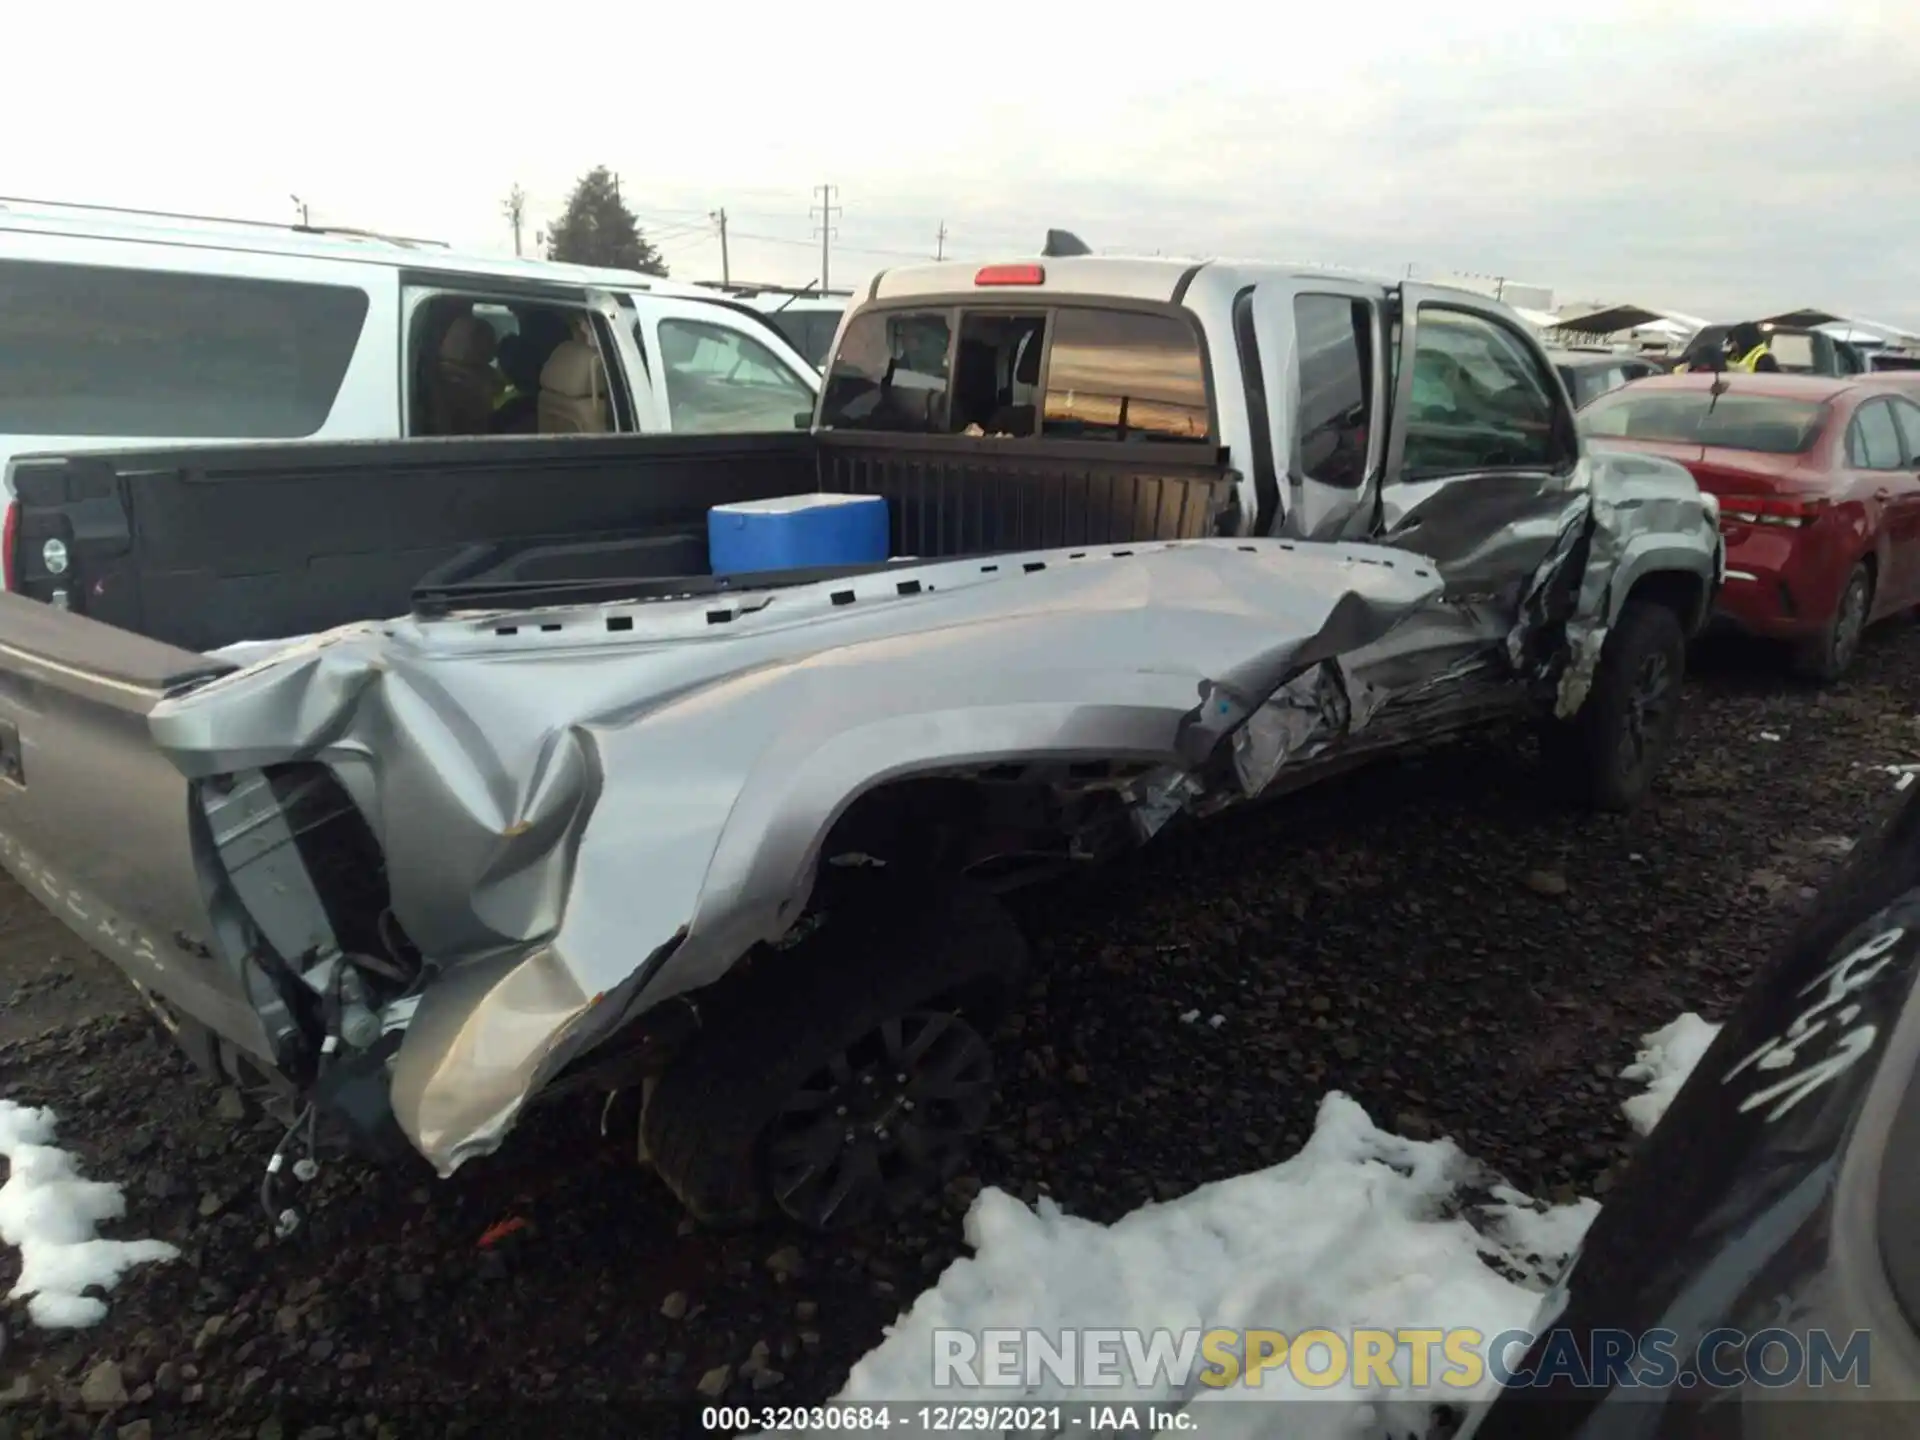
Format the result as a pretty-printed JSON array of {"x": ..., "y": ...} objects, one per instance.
[{"x": 1165, "y": 539}]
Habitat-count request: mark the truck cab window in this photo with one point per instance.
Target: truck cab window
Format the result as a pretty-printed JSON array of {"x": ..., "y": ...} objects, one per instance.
[
  {"x": 996, "y": 374},
  {"x": 1125, "y": 375},
  {"x": 721, "y": 381},
  {"x": 1335, "y": 337},
  {"x": 890, "y": 373},
  {"x": 1480, "y": 400}
]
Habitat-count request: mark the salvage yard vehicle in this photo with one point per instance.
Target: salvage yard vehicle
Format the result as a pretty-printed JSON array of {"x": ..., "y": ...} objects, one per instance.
[
  {"x": 1589, "y": 374},
  {"x": 1819, "y": 488},
  {"x": 605, "y": 808},
  {"x": 123, "y": 328},
  {"x": 1796, "y": 350},
  {"x": 809, "y": 321}
]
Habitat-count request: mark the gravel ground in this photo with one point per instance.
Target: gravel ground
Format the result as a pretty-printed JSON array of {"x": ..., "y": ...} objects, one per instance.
[{"x": 1434, "y": 939}]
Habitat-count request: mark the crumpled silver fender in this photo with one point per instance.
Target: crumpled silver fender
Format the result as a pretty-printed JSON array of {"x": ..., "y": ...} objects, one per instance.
[
  {"x": 1636, "y": 515},
  {"x": 582, "y": 819}
]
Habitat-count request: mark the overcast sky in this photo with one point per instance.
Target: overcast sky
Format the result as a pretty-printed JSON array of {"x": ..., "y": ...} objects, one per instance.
[{"x": 1719, "y": 159}]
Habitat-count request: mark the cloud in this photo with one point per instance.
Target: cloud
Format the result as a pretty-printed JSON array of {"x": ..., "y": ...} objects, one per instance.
[{"x": 1717, "y": 158}]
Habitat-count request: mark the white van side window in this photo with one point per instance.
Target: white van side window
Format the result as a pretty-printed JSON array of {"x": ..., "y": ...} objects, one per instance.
[
  {"x": 483, "y": 366},
  {"x": 98, "y": 350}
]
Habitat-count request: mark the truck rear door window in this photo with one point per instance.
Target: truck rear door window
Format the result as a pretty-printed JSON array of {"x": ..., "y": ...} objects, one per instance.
[
  {"x": 1336, "y": 381},
  {"x": 139, "y": 354},
  {"x": 1124, "y": 375}
]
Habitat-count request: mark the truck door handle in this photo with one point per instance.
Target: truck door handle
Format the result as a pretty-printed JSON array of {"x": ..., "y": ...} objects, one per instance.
[{"x": 13, "y": 767}]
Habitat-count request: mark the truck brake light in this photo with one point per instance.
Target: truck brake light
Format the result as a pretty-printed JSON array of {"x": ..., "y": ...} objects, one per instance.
[
  {"x": 9, "y": 538},
  {"x": 1010, "y": 275}
]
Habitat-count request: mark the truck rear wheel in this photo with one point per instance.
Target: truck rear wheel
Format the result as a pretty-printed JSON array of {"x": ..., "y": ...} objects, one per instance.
[
  {"x": 848, "y": 1076},
  {"x": 1608, "y": 754}
]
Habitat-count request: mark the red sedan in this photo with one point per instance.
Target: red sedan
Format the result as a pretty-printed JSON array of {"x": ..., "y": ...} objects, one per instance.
[{"x": 1818, "y": 490}]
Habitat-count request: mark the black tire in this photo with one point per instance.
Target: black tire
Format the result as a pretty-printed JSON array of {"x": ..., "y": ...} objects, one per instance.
[
  {"x": 1607, "y": 755},
  {"x": 742, "y": 1126},
  {"x": 1826, "y": 657}
]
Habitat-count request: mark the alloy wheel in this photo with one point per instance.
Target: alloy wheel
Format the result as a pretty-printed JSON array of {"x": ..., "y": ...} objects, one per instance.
[{"x": 882, "y": 1122}]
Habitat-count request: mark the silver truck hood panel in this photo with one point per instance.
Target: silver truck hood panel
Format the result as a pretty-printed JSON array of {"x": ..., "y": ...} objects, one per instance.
[{"x": 590, "y": 809}]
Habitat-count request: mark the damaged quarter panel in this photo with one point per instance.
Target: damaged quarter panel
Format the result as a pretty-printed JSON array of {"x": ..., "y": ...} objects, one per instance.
[
  {"x": 1648, "y": 517},
  {"x": 581, "y": 819}
]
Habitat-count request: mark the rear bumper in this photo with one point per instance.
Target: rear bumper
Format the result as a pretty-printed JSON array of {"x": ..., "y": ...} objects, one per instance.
[
  {"x": 1782, "y": 584},
  {"x": 1762, "y": 603}
]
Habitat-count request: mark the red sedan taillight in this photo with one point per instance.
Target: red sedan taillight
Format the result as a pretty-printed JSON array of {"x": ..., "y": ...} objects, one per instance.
[{"x": 1770, "y": 510}]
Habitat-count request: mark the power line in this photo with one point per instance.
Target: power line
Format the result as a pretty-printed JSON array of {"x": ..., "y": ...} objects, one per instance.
[{"x": 846, "y": 249}]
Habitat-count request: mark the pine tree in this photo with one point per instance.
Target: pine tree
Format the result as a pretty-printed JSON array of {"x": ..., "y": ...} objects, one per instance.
[{"x": 598, "y": 229}]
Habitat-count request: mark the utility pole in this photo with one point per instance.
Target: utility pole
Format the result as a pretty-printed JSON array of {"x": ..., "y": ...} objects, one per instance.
[
  {"x": 305, "y": 224},
  {"x": 719, "y": 217},
  {"x": 616, "y": 187},
  {"x": 515, "y": 209},
  {"x": 940, "y": 242},
  {"x": 827, "y": 211}
]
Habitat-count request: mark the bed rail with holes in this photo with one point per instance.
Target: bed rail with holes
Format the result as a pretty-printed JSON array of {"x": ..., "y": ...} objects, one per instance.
[
  {"x": 201, "y": 547},
  {"x": 961, "y": 495}
]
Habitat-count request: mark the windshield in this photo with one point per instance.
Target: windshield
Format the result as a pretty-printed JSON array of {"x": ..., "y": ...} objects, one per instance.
[
  {"x": 721, "y": 381},
  {"x": 808, "y": 331},
  {"x": 1762, "y": 423}
]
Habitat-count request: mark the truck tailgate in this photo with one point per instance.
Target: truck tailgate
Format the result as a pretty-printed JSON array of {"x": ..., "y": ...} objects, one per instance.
[{"x": 94, "y": 820}]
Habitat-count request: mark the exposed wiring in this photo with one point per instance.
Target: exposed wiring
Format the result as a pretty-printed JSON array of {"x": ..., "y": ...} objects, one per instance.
[
  {"x": 307, "y": 1167},
  {"x": 286, "y": 1221}
]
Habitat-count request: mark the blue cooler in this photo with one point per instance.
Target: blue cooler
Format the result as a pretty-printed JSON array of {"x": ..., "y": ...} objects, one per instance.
[{"x": 797, "y": 532}]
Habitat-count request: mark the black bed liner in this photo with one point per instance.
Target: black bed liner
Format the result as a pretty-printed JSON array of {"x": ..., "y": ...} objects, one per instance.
[{"x": 199, "y": 547}]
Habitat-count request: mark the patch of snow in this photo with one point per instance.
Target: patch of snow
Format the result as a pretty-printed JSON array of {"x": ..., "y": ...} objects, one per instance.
[
  {"x": 1216, "y": 1021},
  {"x": 1544, "y": 1237},
  {"x": 1769, "y": 735},
  {"x": 1189, "y": 1017},
  {"x": 51, "y": 1215},
  {"x": 1667, "y": 1056},
  {"x": 1361, "y": 1228}
]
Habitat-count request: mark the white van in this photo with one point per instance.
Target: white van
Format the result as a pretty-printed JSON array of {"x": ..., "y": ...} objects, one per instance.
[{"x": 122, "y": 327}]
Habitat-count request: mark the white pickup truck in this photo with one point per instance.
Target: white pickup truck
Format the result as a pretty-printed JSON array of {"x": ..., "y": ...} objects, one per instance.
[{"x": 1165, "y": 538}]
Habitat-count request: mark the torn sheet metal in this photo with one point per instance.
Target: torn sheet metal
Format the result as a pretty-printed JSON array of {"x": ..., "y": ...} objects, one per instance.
[
  {"x": 1619, "y": 517},
  {"x": 588, "y": 810},
  {"x": 1643, "y": 514}
]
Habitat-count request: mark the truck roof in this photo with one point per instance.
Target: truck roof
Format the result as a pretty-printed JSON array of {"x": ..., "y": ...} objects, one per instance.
[{"x": 1153, "y": 278}]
